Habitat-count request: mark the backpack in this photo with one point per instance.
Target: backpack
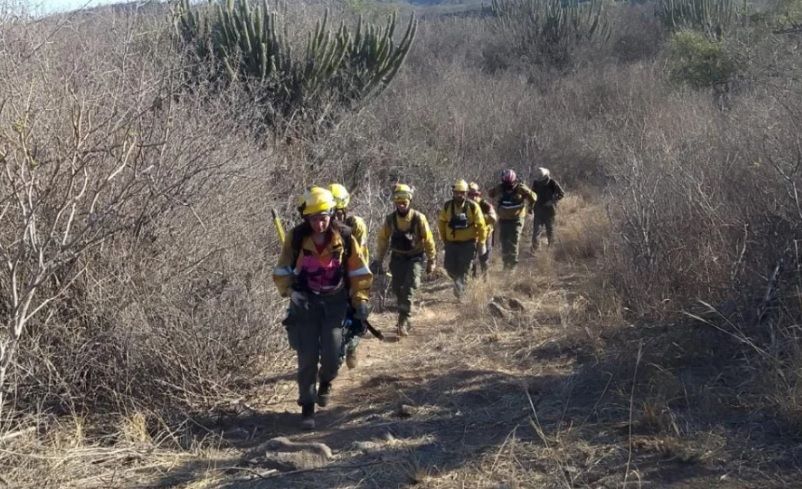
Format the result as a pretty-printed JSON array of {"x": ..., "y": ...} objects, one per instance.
[
  {"x": 404, "y": 241},
  {"x": 459, "y": 221}
]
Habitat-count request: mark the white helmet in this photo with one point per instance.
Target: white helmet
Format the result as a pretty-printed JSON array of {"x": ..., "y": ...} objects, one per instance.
[{"x": 542, "y": 173}]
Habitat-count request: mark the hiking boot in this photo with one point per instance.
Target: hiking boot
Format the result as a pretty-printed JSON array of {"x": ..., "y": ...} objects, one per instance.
[
  {"x": 323, "y": 394},
  {"x": 351, "y": 358},
  {"x": 308, "y": 417},
  {"x": 402, "y": 328}
]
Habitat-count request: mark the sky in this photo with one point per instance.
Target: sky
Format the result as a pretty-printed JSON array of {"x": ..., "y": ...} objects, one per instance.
[{"x": 51, "y": 6}]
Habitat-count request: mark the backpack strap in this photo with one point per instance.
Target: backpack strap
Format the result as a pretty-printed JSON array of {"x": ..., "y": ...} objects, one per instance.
[{"x": 299, "y": 232}]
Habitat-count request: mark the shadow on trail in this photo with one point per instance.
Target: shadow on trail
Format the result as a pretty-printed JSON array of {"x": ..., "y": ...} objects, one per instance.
[{"x": 411, "y": 424}]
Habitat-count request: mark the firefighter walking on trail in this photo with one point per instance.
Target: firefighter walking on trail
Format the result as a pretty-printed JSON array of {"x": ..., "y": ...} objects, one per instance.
[
  {"x": 407, "y": 236},
  {"x": 359, "y": 230},
  {"x": 321, "y": 269},
  {"x": 462, "y": 229},
  {"x": 513, "y": 198},
  {"x": 489, "y": 213},
  {"x": 549, "y": 193}
]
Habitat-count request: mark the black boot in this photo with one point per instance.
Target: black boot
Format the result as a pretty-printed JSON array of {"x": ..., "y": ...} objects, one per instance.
[
  {"x": 308, "y": 416},
  {"x": 323, "y": 393}
]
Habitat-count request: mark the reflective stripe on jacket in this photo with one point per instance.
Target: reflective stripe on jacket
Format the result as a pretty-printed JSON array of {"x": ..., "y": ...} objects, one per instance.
[
  {"x": 523, "y": 197},
  {"x": 354, "y": 272}
]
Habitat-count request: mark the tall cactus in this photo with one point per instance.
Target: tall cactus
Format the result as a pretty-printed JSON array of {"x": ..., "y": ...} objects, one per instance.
[
  {"x": 713, "y": 17},
  {"x": 552, "y": 28},
  {"x": 249, "y": 44}
]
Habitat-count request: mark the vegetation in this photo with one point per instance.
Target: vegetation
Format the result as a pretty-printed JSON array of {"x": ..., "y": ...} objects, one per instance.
[
  {"x": 658, "y": 340},
  {"x": 249, "y": 45},
  {"x": 548, "y": 31}
]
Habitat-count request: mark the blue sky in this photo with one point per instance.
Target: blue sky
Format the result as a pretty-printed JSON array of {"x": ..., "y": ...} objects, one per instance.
[{"x": 50, "y": 6}]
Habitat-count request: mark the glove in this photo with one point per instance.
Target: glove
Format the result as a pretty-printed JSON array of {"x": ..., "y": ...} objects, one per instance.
[
  {"x": 299, "y": 299},
  {"x": 362, "y": 311},
  {"x": 430, "y": 266},
  {"x": 376, "y": 267},
  {"x": 482, "y": 249}
]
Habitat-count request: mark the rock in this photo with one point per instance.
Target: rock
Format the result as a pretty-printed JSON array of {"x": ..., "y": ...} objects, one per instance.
[
  {"x": 367, "y": 446},
  {"x": 287, "y": 461},
  {"x": 283, "y": 444},
  {"x": 406, "y": 411},
  {"x": 284, "y": 455},
  {"x": 497, "y": 311},
  {"x": 515, "y": 304}
]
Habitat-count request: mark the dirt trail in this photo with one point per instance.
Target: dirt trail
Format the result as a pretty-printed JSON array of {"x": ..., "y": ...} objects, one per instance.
[
  {"x": 452, "y": 395},
  {"x": 527, "y": 393}
]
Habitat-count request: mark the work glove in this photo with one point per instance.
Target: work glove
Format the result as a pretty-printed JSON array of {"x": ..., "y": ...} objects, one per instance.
[
  {"x": 299, "y": 299},
  {"x": 430, "y": 266},
  {"x": 482, "y": 249},
  {"x": 362, "y": 311},
  {"x": 376, "y": 267}
]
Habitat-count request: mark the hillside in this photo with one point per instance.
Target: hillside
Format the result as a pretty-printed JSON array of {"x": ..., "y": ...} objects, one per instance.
[{"x": 655, "y": 344}]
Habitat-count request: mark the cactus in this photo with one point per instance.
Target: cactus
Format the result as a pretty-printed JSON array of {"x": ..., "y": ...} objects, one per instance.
[
  {"x": 552, "y": 27},
  {"x": 712, "y": 17},
  {"x": 249, "y": 44}
]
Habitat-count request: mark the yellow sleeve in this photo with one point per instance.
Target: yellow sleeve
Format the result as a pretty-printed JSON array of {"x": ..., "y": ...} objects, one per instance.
[
  {"x": 428, "y": 239},
  {"x": 528, "y": 195},
  {"x": 479, "y": 223},
  {"x": 491, "y": 218},
  {"x": 284, "y": 271},
  {"x": 360, "y": 232},
  {"x": 442, "y": 223},
  {"x": 383, "y": 241},
  {"x": 359, "y": 276}
]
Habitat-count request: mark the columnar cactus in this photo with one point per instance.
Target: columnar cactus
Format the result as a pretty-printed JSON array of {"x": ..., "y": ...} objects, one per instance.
[
  {"x": 712, "y": 17},
  {"x": 553, "y": 27},
  {"x": 249, "y": 44}
]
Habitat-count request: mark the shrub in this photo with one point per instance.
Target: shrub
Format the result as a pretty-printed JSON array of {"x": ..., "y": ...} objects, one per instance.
[{"x": 700, "y": 62}]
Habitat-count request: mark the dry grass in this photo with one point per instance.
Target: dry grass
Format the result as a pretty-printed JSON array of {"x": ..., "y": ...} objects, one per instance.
[{"x": 671, "y": 200}]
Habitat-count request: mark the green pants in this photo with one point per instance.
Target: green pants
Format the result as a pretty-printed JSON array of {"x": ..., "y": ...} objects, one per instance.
[
  {"x": 544, "y": 219},
  {"x": 510, "y": 234},
  {"x": 317, "y": 333},
  {"x": 457, "y": 262},
  {"x": 407, "y": 271}
]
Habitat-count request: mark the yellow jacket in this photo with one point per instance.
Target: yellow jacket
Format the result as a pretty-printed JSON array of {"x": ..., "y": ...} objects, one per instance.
[
  {"x": 514, "y": 204},
  {"x": 352, "y": 270},
  {"x": 473, "y": 221},
  {"x": 424, "y": 239},
  {"x": 489, "y": 213},
  {"x": 359, "y": 230}
]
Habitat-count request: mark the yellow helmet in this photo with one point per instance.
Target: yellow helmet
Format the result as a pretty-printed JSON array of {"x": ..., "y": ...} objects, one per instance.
[
  {"x": 460, "y": 186},
  {"x": 402, "y": 191},
  {"x": 341, "y": 196},
  {"x": 318, "y": 200}
]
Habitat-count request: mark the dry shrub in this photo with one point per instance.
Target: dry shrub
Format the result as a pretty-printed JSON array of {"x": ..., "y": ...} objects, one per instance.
[
  {"x": 581, "y": 230},
  {"x": 152, "y": 283}
]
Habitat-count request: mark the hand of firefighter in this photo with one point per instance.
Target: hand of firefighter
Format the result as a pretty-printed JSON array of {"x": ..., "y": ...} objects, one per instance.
[
  {"x": 362, "y": 311},
  {"x": 299, "y": 299},
  {"x": 481, "y": 249},
  {"x": 430, "y": 266},
  {"x": 376, "y": 267}
]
